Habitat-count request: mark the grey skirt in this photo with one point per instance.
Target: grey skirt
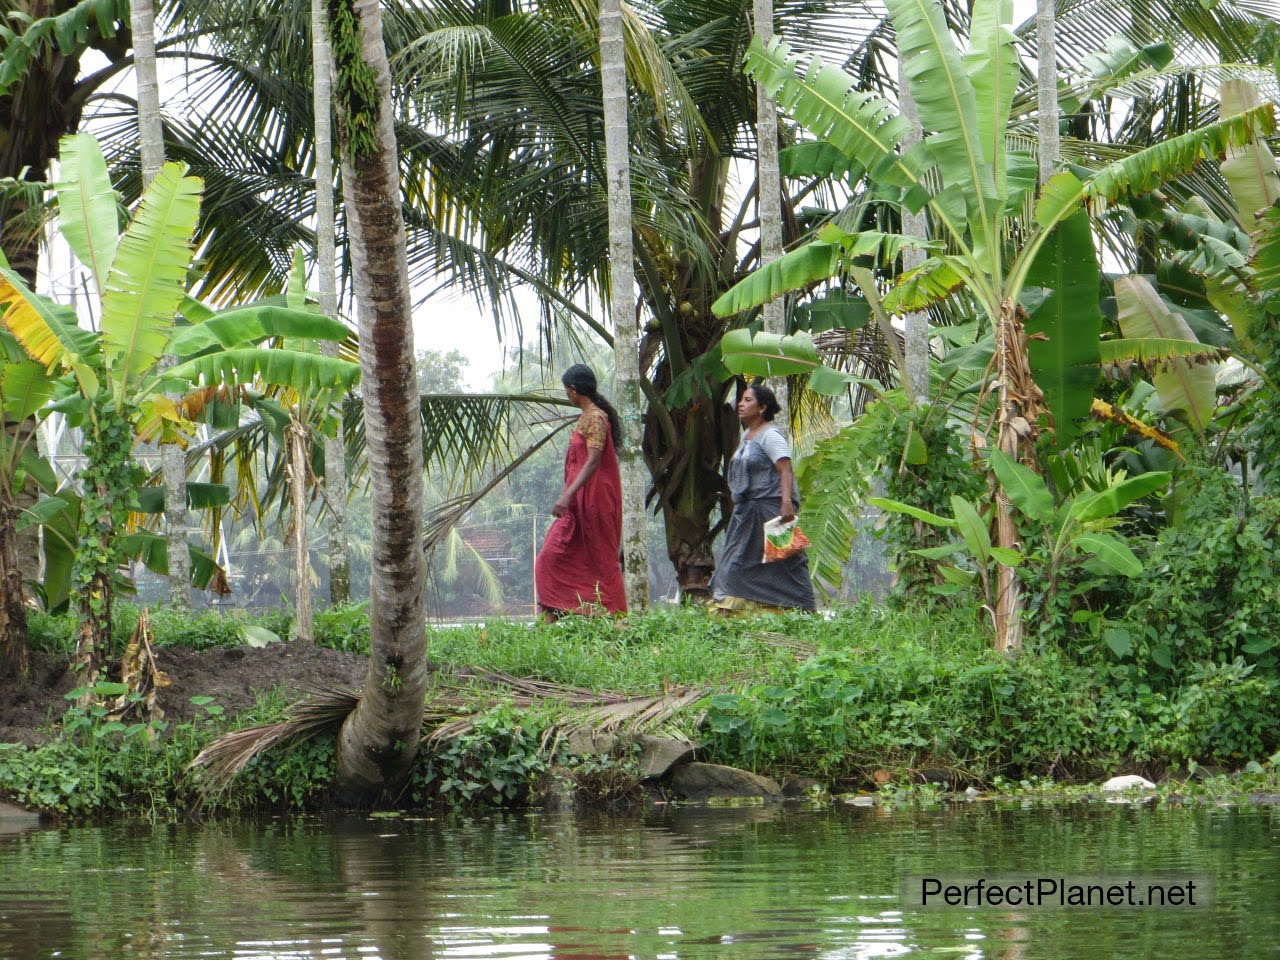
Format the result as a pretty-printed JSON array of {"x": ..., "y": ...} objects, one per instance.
[{"x": 740, "y": 572}]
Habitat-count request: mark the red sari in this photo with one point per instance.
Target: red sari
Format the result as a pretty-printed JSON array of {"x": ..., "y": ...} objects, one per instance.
[{"x": 578, "y": 570}]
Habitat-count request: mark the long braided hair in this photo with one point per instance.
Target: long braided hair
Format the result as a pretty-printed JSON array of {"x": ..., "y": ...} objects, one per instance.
[{"x": 583, "y": 379}]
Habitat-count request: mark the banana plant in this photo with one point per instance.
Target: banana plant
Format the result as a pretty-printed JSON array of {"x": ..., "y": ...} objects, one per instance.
[
  {"x": 110, "y": 381},
  {"x": 1064, "y": 532},
  {"x": 1031, "y": 276}
]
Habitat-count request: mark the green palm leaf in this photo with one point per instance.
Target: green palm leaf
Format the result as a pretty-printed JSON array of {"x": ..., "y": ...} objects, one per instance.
[
  {"x": 146, "y": 282},
  {"x": 87, "y": 205}
]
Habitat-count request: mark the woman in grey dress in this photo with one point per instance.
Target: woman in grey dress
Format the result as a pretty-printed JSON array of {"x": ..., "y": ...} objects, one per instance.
[{"x": 763, "y": 487}]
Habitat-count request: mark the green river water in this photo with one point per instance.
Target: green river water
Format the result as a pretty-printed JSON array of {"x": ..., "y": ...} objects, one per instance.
[{"x": 778, "y": 881}]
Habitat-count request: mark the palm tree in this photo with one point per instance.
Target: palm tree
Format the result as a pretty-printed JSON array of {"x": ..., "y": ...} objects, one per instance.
[
  {"x": 613, "y": 81},
  {"x": 769, "y": 183},
  {"x": 379, "y": 739},
  {"x": 151, "y": 149},
  {"x": 335, "y": 462}
]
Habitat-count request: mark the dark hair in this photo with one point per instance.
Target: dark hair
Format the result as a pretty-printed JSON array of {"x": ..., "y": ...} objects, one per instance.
[
  {"x": 767, "y": 399},
  {"x": 583, "y": 380}
]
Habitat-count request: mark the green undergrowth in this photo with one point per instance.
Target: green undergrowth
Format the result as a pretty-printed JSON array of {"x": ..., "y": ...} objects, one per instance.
[{"x": 866, "y": 695}]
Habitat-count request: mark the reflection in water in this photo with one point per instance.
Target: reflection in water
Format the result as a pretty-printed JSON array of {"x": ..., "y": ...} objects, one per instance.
[{"x": 760, "y": 882}]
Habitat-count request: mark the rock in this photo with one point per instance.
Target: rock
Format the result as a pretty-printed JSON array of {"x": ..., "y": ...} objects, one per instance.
[
  {"x": 1130, "y": 782},
  {"x": 802, "y": 787},
  {"x": 704, "y": 781},
  {"x": 659, "y": 754},
  {"x": 583, "y": 742},
  {"x": 559, "y": 792},
  {"x": 17, "y": 820}
]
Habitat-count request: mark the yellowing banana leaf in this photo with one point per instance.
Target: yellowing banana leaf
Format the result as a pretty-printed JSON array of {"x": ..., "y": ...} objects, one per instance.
[
  {"x": 1251, "y": 170},
  {"x": 47, "y": 331},
  {"x": 1185, "y": 388}
]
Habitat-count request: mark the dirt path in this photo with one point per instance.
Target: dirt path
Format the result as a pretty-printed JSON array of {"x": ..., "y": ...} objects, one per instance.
[{"x": 232, "y": 676}]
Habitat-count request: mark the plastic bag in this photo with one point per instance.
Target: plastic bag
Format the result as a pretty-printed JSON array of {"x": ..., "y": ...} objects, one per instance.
[{"x": 782, "y": 539}]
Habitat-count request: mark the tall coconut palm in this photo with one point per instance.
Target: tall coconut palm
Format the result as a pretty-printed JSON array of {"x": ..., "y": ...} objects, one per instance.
[
  {"x": 769, "y": 182},
  {"x": 335, "y": 460},
  {"x": 379, "y": 740},
  {"x": 613, "y": 81},
  {"x": 151, "y": 148}
]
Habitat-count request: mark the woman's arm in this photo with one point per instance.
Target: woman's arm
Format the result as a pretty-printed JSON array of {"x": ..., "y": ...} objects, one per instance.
[
  {"x": 586, "y": 473},
  {"x": 786, "y": 510}
]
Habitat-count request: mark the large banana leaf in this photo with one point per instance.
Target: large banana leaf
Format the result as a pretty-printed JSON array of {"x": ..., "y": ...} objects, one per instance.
[
  {"x": 1063, "y": 329},
  {"x": 1146, "y": 170},
  {"x": 1185, "y": 388},
  {"x": 827, "y": 102},
  {"x": 792, "y": 271},
  {"x": 1157, "y": 352},
  {"x": 992, "y": 63},
  {"x": 88, "y": 215},
  {"x": 306, "y": 373},
  {"x": 945, "y": 98},
  {"x": 774, "y": 355},
  {"x": 147, "y": 279},
  {"x": 25, "y": 388},
  {"x": 818, "y": 260},
  {"x": 1251, "y": 171},
  {"x": 249, "y": 326}
]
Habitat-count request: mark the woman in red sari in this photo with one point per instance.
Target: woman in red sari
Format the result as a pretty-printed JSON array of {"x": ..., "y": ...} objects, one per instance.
[{"x": 578, "y": 568}]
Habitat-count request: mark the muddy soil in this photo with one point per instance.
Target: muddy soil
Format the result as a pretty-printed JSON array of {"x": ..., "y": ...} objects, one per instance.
[{"x": 233, "y": 676}]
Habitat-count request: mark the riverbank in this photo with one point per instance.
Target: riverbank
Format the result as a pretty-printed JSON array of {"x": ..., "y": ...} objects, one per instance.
[{"x": 877, "y": 702}]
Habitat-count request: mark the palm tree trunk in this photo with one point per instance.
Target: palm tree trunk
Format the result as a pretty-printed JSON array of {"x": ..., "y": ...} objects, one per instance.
[
  {"x": 301, "y": 548},
  {"x": 613, "y": 73},
  {"x": 769, "y": 187},
  {"x": 13, "y": 611},
  {"x": 915, "y": 374},
  {"x": 379, "y": 740},
  {"x": 1047, "y": 87},
  {"x": 335, "y": 461},
  {"x": 173, "y": 466}
]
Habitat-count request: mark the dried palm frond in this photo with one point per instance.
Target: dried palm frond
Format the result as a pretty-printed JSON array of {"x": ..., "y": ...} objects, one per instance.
[
  {"x": 219, "y": 763},
  {"x": 454, "y": 706}
]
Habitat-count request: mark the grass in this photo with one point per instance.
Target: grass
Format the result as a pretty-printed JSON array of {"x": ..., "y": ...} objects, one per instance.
[{"x": 679, "y": 646}]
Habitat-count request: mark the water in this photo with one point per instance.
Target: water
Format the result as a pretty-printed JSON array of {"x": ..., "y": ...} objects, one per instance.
[{"x": 685, "y": 883}]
